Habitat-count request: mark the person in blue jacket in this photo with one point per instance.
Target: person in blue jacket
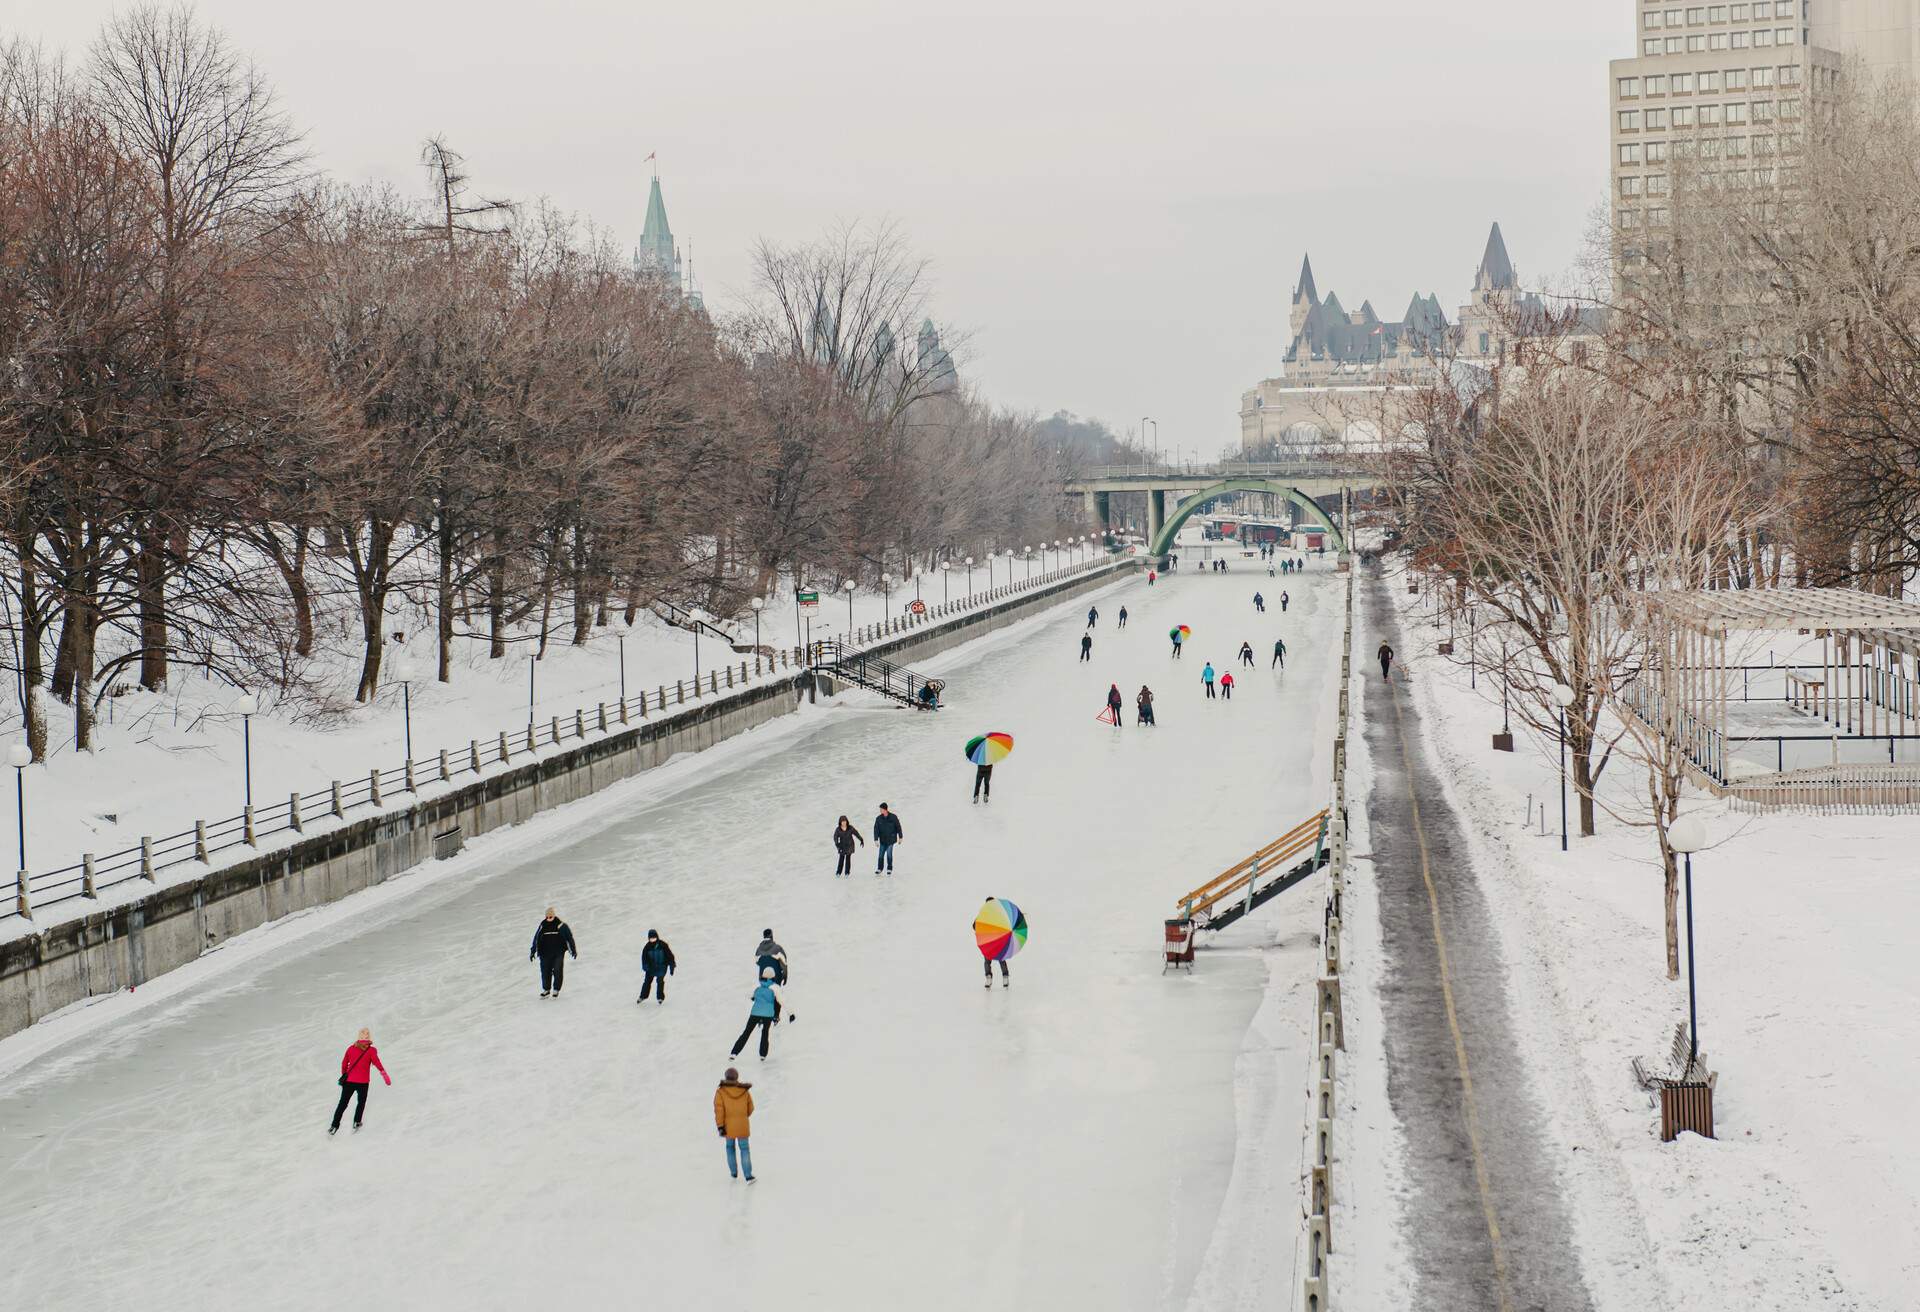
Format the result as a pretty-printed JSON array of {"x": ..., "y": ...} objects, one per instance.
[
  {"x": 1206, "y": 676},
  {"x": 766, "y": 1010}
]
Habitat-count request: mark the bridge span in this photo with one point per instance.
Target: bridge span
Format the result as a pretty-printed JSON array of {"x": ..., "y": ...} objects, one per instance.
[{"x": 1305, "y": 483}]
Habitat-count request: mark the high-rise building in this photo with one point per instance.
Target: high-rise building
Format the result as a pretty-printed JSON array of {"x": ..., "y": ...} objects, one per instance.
[{"x": 1722, "y": 88}]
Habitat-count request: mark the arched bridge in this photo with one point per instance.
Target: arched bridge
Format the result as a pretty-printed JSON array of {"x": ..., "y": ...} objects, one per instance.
[{"x": 1196, "y": 486}]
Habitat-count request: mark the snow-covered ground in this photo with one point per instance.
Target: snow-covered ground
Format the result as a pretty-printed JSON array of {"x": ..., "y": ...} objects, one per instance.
[
  {"x": 164, "y": 760},
  {"x": 922, "y": 1142},
  {"x": 1809, "y": 986}
]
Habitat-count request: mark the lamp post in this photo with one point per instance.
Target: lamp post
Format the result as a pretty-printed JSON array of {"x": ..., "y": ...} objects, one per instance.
[
  {"x": 758, "y": 604},
  {"x": 1156, "y": 440},
  {"x": 848, "y": 585},
  {"x": 247, "y": 706},
  {"x": 886, "y": 596},
  {"x": 969, "y": 578},
  {"x": 1028, "y": 553},
  {"x": 403, "y": 675},
  {"x": 698, "y": 617},
  {"x": 1563, "y": 698},
  {"x": 620, "y": 627},
  {"x": 532, "y": 665},
  {"x": 20, "y": 756},
  {"x": 1688, "y": 835},
  {"x": 946, "y": 596}
]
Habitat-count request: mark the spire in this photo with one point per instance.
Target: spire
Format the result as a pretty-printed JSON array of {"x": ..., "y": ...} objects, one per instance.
[
  {"x": 1496, "y": 270},
  {"x": 657, "y": 255},
  {"x": 1304, "y": 290}
]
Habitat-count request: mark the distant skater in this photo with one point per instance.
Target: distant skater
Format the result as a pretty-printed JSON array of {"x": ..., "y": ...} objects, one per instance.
[
  {"x": 1279, "y": 654},
  {"x": 1143, "y": 706},
  {"x": 844, "y": 838},
  {"x": 1206, "y": 677},
  {"x": 656, "y": 963},
  {"x": 1260, "y": 603},
  {"x": 1123, "y": 617},
  {"x": 1284, "y": 599},
  {"x": 766, "y": 1010},
  {"x": 887, "y": 834},
  {"x": 552, "y": 943},
  {"x": 1246, "y": 654},
  {"x": 733, "y": 1112},
  {"x": 1226, "y": 685},
  {"x": 356, "y": 1073},
  {"x": 1093, "y": 616},
  {"x": 982, "y": 781},
  {"x": 1386, "y": 661},
  {"x": 1176, "y": 644},
  {"x": 1114, "y": 703},
  {"x": 1086, "y": 648}
]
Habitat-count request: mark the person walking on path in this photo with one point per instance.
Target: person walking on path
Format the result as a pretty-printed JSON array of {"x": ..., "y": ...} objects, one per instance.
[
  {"x": 1279, "y": 653},
  {"x": 983, "y": 781},
  {"x": 844, "y": 837},
  {"x": 1086, "y": 647},
  {"x": 1226, "y": 685},
  {"x": 732, "y": 1113},
  {"x": 356, "y": 1073},
  {"x": 1143, "y": 705},
  {"x": 1206, "y": 677},
  {"x": 886, "y": 834},
  {"x": 770, "y": 956},
  {"x": 1386, "y": 660},
  {"x": 1123, "y": 617},
  {"x": 656, "y": 963},
  {"x": 1246, "y": 654},
  {"x": 766, "y": 1010},
  {"x": 1114, "y": 703},
  {"x": 1284, "y": 599},
  {"x": 552, "y": 942},
  {"x": 1259, "y": 603},
  {"x": 1093, "y": 616},
  {"x": 1176, "y": 644}
]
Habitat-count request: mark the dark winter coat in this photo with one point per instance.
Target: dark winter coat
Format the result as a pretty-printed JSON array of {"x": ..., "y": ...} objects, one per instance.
[
  {"x": 551, "y": 938},
  {"x": 844, "y": 839},
  {"x": 656, "y": 958},
  {"x": 886, "y": 828}
]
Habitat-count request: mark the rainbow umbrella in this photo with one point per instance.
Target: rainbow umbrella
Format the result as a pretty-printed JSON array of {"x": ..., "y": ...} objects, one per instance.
[
  {"x": 1000, "y": 929},
  {"x": 1180, "y": 631},
  {"x": 989, "y": 748}
]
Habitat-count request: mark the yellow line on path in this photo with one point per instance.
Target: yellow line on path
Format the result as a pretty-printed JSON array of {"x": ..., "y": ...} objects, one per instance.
[{"x": 1453, "y": 1016}]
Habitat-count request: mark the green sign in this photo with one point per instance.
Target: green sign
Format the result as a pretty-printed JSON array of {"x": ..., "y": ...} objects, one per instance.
[{"x": 809, "y": 600}]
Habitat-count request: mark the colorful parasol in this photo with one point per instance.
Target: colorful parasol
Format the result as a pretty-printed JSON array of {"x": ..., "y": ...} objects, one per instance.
[
  {"x": 989, "y": 748},
  {"x": 1180, "y": 631},
  {"x": 1000, "y": 929}
]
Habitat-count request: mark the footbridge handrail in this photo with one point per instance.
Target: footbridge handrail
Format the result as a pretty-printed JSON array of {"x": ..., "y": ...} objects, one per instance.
[{"x": 1236, "y": 878}]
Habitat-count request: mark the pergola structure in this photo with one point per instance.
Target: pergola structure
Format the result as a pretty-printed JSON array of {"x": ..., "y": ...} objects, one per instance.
[{"x": 1864, "y": 692}]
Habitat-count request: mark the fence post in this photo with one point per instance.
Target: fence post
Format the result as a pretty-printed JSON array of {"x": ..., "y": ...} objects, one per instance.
[
  {"x": 445, "y": 773},
  {"x": 579, "y": 723},
  {"x": 20, "y": 902},
  {"x": 556, "y": 729},
  {"x": 601, "y": 709},
  {"x": 373, "y": 783},
  {"x": 246, "y": 826},
  {"x": 146, "y": 860},
  {"x": 623, "y": 706},
  {"x": 473, "y": 754},
  {"x": 729, "y": 676},
  {"x": 531, "y": 740},
  {"x": 339, "y": 806},
  {"x": 293, "y": 812},
  {"x": 86, "y": 878},
  {"x": 407, "y": 777},
  {"x": 679, "y": 693},
  {"x": 713, "y": 681},
  {"x": 200, "y": 840},
  {"x": 506, "y": 749}
]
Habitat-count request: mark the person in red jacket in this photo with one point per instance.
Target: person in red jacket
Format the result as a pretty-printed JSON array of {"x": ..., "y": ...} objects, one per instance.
[{"x": 356, "y": 1073}]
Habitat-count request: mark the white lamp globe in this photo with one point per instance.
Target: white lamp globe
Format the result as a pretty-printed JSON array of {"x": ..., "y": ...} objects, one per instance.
[
  {"x": 1687, "y": 834},
  {"x": 248, "y": 704},
  {"x": 19, "y": 756}
]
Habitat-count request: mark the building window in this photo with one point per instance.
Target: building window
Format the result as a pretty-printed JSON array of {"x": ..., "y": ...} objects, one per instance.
[
  {"x": 1763, "y": 111},
  {"x": 1710, "y": 148},
  {"x": 1716, "y": 13},
  {"x": 1763, "y": 77},
  {"x": 1739, "y": 40},
  {"x": 1790, "y": 75},
  {"x": 1783, "y": 36},
  {"x": 1630, "y": 186},
  {"x": 1656, "y": 184},
  {"x": 1709, "y": 81},
  {"x": 1695, "y": 44},
  {"x": 1657, "y": 84},
  {"x": 1763, "y": 143},
  {"x": 1486, "y": 344},
  {"x": 1629, "y": 88},
  {"x": 1736, "y": 79},
  {"x": 1683, "y": 116},
  {"x": 1696, "y": 15},
  {"x": 1651, "y": 46},
  {"x": 1789, "y": 109},
  {"x": 1656, "y": 151},
  {"x": 1676, "y": 44},
  {"x": 1764, "y": 37},
  {"x": 1630, "y": 153},
  {"x": 1656, "y": 119},
  {"x": 1783, "y": 8},
  {"x": 1718, "y": 41},
  {"x": 1657, "y": 217},
  {"x": 1629, "y": 120},
  {"x": 1683, "y": 149},
  {"x": 1736, "y": 147},
  {"x": 1673, "y": 18},
  {"x": 1682, "y": 84},
  {"x": 1736, "y": 114},
  {"x": 1709, "y": 116},
  {"x": 1629, "y": 218},
  {"x": 1650, "y": 19},
  {"x": 1741, "y": 13}
]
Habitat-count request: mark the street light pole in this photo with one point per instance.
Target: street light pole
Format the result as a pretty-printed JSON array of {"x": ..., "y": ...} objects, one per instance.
[
  {"x": 403, "y": 674},
  {"x": 849, "y": 588},
  {"x": 247, "y": 705},
  {"x": 20, "y": 756},
  {"x": 1563, "y": 698},
  {"x": 946, "y": 596},
  {"x": 1687, "y": 835},
  {"x": 758, "y": 603},
  {"x": 620, "y": 632},
  {"x": 969, "y": 578},
  {"x": 886, "y": 596}
]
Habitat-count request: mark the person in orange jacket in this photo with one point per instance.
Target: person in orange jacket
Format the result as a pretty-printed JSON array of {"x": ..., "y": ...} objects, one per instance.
[
  {"x": 732, "y": 1109},
  {"x": 356, "y": 1073}
]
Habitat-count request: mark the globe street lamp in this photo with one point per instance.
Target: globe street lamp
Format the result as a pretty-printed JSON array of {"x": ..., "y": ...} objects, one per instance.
[
  {"x": 886, "y": 596},
  {"x": 1563, "y": 698},
  {"x": 946, "y": 567},
  {"x": 403, "y": 675},
  {"x": 758, "y": 604},
  {"x": 969, "y": 578},
  {"x": 620, "y": 627},
  {"x": 697, "y": 617},
  {"x": 1028, "y": 553},
  {"x": 248, "y": 706},
  {"x": 20, "y": 756},
  {"x": 1686, "y": 836},
  {"x": 848, "y": 585}
]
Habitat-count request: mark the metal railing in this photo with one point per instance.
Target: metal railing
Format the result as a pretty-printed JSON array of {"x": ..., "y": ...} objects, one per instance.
[
  {"x": 206, "y": 841},
  {"x": 1221, "y": 469}
]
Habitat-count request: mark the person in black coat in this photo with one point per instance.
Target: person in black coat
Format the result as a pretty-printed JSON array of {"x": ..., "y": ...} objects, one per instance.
[
  {"x": 552, "y": 942},
  {"x": 886, "y": 833},
  {"x": 656, "y": 961},
  {"x": 844, "y": 837},
  {"x": 1086, "y": 647}
]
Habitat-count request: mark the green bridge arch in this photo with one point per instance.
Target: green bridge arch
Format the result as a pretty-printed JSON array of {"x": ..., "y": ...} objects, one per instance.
[{"x": 1163, "y": 540}]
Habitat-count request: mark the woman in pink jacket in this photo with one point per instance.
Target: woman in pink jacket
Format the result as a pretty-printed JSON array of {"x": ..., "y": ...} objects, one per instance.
[{"x": 356, "y": 1073}]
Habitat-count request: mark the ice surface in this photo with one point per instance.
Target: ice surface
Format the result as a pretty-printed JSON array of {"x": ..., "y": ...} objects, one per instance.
[{"x": 923, "y": 1142}]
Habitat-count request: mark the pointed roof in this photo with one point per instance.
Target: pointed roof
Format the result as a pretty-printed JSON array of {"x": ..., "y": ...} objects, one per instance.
[
  {"x": 1332, "y": 305},
  {"x": 1304, "y": 290},
  {"x": 1366, "y": 313},
  {"x": 655, "y": 234},
  {"x": 1496, "y": 270}
]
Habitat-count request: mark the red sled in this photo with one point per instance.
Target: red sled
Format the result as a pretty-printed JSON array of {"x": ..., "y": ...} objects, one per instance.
[{"x": 1108, "y": 716}]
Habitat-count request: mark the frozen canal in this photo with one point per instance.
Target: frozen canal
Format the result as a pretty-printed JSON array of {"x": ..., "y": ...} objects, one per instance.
[{"x": 921, "y": 1142}]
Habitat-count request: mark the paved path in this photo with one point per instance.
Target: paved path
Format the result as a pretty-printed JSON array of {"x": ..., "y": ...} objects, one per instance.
[{"x": 1487, "y": 1225}]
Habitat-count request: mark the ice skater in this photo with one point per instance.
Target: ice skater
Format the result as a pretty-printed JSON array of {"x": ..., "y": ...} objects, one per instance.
[
  {"x": 1176, "y": 644},
  {"x": 887, "y": 834},
  {"x": 770, "y": 957},
  {"x": 1206, "y": 677},
  {"x": 1284, "y": 599},
  {"x": 1086, "y": 647},
  {"x": 552, "y": 942},
  {"x": 844, "y": 837},
  {"x": 1386, "y": 661},
  {"x": 1143, "y": 705},
  {"x": 1226, "y": 685},
  {"x": 732, "y": 1113},
  {"x": 1123, "y": 617},
  {"x": 766, "y": 1010},
  {"x": 1259, "y": 603},
  {"x": 356, "y": 1073},
  {"x": 656, "y": 963},
  {"x": 1114, "y": 703},
  {"x": 1246, "y": 654},
  {"x": 1279, "y": 654},
  {"x": 1093, "y": 616},
  {"x": 982, "y": 781}
]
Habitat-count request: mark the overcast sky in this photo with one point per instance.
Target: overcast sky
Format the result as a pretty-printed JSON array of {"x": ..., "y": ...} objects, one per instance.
[{"x": 1115, "y": 195}]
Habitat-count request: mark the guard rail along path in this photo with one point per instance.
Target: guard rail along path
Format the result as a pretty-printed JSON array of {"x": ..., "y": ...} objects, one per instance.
[{"x": 1329, "y": 1036}]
